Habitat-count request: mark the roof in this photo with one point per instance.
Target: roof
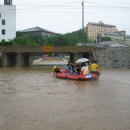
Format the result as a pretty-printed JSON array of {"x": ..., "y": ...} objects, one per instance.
[
  {"x": 112, "y": 44},
  {"x": 37, "y": 29},
  {"x": 100, "y": 24},
  {"x": 118, "y": 45}
]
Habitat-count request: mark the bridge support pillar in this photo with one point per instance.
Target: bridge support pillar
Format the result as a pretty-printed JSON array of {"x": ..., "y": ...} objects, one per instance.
[
  {"x": 74, "y": 57},
  {"x": 4, "y": 60},
  {"x": 22, "y": 60},
  {"x": 19, "y": 60},
  {"x": 9, "y": 60},
  {"x": 25, "y": 60}
]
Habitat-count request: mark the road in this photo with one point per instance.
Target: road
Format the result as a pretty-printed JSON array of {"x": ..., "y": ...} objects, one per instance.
[{"x": 50, "y": 61}]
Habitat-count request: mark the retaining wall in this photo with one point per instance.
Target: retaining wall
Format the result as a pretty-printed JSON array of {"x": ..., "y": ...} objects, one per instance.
[{"x": 113, "y": 57}]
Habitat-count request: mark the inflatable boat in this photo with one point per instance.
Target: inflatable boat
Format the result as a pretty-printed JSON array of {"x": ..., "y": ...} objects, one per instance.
[{"x": 64, "y": 75}]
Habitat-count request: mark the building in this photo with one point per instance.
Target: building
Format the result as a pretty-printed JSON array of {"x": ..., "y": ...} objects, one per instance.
[
  {"x": 7, "y": 21},
  {"x": 127, "y": 41},
  {"x": 119, "y": 36},
  {"x": 128, "y": 38},
  {"x": 38, "y": 31},
  {"x": 93, "y": 29}
]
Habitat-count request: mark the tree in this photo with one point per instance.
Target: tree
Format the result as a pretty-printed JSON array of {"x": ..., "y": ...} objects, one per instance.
[
  {"x": 106, "y": 39},
  {"x": 59, "y": 40},
  {"x": 24, "y": 40}
]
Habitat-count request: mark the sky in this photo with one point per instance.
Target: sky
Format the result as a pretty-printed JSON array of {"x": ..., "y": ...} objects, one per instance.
[{"x": 64, "y": 16}]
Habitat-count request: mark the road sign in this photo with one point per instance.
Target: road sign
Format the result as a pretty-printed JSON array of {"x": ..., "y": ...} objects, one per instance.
[{"x": 47, "y": 48}]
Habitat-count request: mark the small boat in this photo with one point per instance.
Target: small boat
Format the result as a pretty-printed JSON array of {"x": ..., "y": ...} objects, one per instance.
[{"x": 64, "y": 75}]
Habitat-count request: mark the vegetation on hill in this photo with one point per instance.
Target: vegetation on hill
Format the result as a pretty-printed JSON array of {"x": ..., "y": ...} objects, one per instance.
[{"x": 72, "y": 38}]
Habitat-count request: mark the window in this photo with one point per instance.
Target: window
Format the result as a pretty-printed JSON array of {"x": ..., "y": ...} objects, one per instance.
[
  {"x": 3, "y": 31},
  {"x": 3, "y": 21},
  {"x": 8, "y": 2}
]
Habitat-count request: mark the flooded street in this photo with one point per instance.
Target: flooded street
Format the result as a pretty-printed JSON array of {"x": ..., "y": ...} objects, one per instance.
[{"x": 33, "y": 99}]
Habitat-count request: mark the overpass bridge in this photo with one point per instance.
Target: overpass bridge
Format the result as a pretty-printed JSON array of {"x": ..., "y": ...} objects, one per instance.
[{"x": 18, "y": 56}]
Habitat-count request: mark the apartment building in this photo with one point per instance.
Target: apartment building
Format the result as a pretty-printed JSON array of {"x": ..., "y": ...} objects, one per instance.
[
  {"x": 7, "y": 21},
  {"x": 93, "y": 29}
]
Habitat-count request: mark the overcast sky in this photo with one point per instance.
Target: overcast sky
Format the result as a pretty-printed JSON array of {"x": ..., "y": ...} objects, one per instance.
[{"x": 63, "y": 16}]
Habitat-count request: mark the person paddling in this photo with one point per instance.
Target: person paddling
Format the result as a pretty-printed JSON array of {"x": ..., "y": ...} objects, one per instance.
[
  {"x": 56, "y": 70},
  {"x": 94, "y": 68}
]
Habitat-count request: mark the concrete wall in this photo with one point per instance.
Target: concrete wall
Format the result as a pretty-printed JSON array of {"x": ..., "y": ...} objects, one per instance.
[{"x": 113, "y": 57}]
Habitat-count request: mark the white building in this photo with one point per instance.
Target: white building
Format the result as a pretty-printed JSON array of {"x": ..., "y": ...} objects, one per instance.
[{"x": 7, "y": 21}]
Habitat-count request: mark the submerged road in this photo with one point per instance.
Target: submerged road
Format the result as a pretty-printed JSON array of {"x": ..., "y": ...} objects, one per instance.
[{"x": 33, "y": 99}]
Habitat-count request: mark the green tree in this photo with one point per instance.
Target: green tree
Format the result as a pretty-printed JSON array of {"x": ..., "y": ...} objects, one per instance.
[
  {"x": 24, "y": 40},
  {"x": 106, "y": 39},
  {"x": 59, "y": 40}
]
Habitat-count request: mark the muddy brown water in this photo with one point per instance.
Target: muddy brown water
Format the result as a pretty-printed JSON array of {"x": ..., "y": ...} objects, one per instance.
[{"x": 33, "y": 99}]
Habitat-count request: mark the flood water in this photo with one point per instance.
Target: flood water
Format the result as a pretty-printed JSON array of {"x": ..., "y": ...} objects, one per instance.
[{"x": 33, "y": 99}]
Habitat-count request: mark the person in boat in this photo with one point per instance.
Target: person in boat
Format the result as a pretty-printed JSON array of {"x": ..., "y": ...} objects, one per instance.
[
  {"x": 67, "y": 68},
  {"x": 94, "y": 68},
  {"x": 85, "y": 69},
  {"x": 72, "y": 68},
  {"x": 78, "y": 69},
  {"x": 56, "y": 70}
]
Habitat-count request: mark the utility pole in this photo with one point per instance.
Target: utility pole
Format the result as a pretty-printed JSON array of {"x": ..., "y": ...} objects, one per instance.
[{"x": 83, "y": 41}]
